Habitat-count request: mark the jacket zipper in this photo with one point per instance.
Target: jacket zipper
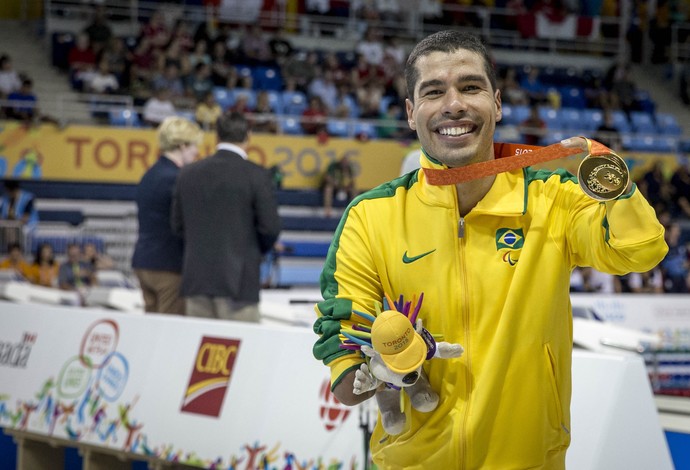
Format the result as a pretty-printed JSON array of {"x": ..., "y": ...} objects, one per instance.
[{"x": 466, "y": 345}]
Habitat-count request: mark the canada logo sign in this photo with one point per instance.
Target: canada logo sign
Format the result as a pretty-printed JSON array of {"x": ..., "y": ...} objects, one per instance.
[
  {"x": 211, "y": 376},
  {"x": 333, "y": 413}
]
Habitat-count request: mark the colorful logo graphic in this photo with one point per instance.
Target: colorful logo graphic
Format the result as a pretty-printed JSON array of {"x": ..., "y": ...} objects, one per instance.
[
  {"x": 333, "y": 413},
  {"x": 210, "y": 376},
  {"x": 99, "y": 342},
  {"x": 509, "y": 242}
]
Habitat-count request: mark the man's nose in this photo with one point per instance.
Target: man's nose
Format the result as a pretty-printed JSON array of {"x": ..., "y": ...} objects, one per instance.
[{"x": 454, "y": 103}]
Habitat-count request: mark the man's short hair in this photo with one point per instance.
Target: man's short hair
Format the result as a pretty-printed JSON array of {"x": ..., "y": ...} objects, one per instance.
[
  {"x": 446, "y": 41},
  {"x": 233, "y": 128}
]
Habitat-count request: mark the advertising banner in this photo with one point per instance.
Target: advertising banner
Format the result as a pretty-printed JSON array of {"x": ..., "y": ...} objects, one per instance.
[
  {"x": 117, "y": 155},
  {"x": 210, "y": 393}
]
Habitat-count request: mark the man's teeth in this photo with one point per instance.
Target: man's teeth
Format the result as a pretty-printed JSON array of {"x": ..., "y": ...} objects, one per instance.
[{"x": 454, "y": 130}]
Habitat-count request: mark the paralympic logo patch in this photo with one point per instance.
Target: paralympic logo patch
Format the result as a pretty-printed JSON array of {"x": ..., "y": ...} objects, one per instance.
[
  {"x": 509, "y": 242},
  {"x": 210, "y": 376}
]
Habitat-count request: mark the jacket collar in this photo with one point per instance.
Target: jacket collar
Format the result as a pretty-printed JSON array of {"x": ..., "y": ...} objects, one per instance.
[
  {"x": 231, "y": 148},
  {"x": 507, "y": 196}
]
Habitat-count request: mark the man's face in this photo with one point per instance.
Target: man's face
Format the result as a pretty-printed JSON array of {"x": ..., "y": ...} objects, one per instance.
[{"x": 455, "y": 109}]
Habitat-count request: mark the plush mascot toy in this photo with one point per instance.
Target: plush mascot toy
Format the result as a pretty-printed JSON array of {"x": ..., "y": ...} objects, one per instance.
[{"x": 396, "y": 346}]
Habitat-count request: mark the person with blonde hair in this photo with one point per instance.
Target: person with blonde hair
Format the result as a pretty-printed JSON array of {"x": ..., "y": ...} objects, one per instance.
[{"x": 157, "y": 258}]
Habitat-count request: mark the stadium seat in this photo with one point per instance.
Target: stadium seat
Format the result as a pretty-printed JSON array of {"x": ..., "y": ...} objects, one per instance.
[
  {"x": 667, "y": 124},
  {"x": 275, "y": 100},
  {"x": 648, "y": 143},
  {"x": 222, "y": 96},
  {"x": 507, "y": 133},
  {"x": 570, "y": 118},
  {"x": 338, "y": 128},
  {"x": 642, "y": 122},
  {"x": 554, "y": 137},
  {"x": 514, "y": 114},
  {"x": 291, "y": 126},
  {"x": 644, "y": 100},
  {"x": 294, "y": 102},
  {"x": 572, "y": 97},
  {"x": 365, "y": 129},
  {"x": 124, "y": 117},
  {"x": 250, "y": 94},
  {"x": 591, "y": 119},
  {"x": 550, "y": 117},
  {"x": 267, "y": 78},
  {"x": 620, "y": 121}
]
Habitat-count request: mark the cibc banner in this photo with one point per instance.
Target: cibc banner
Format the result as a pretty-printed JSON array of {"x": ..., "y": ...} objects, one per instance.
[{"x": 209, "y": 393}]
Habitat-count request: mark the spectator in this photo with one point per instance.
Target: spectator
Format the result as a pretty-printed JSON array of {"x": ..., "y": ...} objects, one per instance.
[
  {"x": 44, "y": 270},
  {"x": 391, "y": 124},
  {"x": 98, "y": 261},
  {"x": 511, "y": 91},
  {"x": 301, "y": 68},
  {"x": 623, "y": 90},
  {"x": 23, "y": 103},
  {"x": 225, "y": 209},
  {"x": 655, "y": 188},
  {"x": 324, "y": 87},
  {"x": 371, "y": 47},
  {"x": 281, "y": 48},
  {"x": 680, "y": 190},
  {"x": 263, "y": 117},
  {"x": 676, "y": 263},
  {"x": 200, "y": 54},
  {"x": 9, "y": 78},
  {"x": 607, "y": 132},
  {"x": 170, "y": 80},
  {"x": 15, "y": 261},
  {"x": 81, "y": 60},
  {"x": 220, "y": 64},
  {"x": 18, "y": 204},
  {"x": 207, "y": 112},
  {"x": 649, "y": 282},
  {"x": 535, "y": 89},
  {"x": 157, "y": 258},
  {"x": 533, "y": 127},
  {"x": 102, "y": 80},
  {"x": 156, "y": 30},
  {"x": 255, "y": 47},
  {"x": 99, "y": 31},
  {"x": 75, "y": 273},
  {"x": 338, "y": 182},
  {"x": 119, "y": 60},
  {"x": 199, "y": 83},
  {"x": 314, "y": 117},
  {"x": 158, "y": 107}
]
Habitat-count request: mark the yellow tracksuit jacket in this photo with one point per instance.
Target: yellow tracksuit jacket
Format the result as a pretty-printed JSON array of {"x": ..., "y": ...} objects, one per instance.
[{"x": 495, "y": 281}]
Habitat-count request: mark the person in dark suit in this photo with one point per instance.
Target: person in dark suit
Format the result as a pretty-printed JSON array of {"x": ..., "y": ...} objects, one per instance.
[
  {"x": 224, "y": 207},
  {"x": 157, "y": 258}
]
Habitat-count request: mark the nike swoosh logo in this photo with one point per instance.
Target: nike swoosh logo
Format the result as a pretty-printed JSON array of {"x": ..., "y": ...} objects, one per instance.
[{"x": 412, "y": 259}]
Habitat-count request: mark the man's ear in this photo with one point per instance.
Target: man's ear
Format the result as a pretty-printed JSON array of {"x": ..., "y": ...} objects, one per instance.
[{"x": 409, "y": 107}]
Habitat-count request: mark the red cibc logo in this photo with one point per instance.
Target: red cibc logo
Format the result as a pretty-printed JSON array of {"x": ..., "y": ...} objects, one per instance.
[
  {"x": 211, "y": 376},
  {"x": 333, "y": 413}
]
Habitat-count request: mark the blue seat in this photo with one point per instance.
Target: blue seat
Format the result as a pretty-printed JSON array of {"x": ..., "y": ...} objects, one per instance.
[
  {"x": 648, "y": 143},
  {"x": 620, "y": 121},
  {"x": 550, "y": 117},
  {"x": 645, "y": 101},
  {"x": 222, "y": 97},
  {"x": 365, "y": 129},
  {"x": 267, "y": 78},
  {"x": 514, "y": 114},
  {"x": 591, "y": 119},
  {"x": 275, "y": 99},
  {"x": 338, "y": 128},
  {"x": 291, "y": 126},
  {"x": 642, "y": 122},
  {"x": 123, "y": 117},
  {"x": 572, "y": 97},
  {"x": 553, "y": 137},
  {"x": 250, "y": 94},
  {"x": 667, "y": 124},
  {"x": 294, "y": 102},
  {"x": 570, "y": 118}
]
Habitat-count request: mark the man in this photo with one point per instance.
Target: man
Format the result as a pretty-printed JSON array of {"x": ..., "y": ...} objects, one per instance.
[
  {"x": 17, "y": 204},
  {"x": 492, "y": 257},
  {"x": 75, "y": 273},
  {"x": 339, "y": 182},
  {"x": 225, "y": 209},
  {"x": 157, "y": 258}
]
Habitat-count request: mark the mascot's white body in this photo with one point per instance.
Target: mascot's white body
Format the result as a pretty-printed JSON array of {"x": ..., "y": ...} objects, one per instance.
[{"x": 399, "y": 347}]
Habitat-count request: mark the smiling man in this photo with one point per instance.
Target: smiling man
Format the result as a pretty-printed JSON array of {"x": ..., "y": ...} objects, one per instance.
[{"x": 493, "y": 258}]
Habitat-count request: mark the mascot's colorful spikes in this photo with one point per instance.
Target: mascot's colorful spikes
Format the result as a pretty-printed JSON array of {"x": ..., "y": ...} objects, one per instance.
[{"x": 366, "y": 316}]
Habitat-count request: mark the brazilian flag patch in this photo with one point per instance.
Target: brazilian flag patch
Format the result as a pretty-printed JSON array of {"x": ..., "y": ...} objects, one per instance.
[{"x": 510, "y": 238}]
